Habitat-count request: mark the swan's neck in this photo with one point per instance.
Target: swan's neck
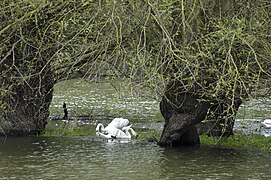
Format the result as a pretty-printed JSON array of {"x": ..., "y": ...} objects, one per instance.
[
  {"x": 100, "y": 127},
  {"x": 128, "y": 133}
]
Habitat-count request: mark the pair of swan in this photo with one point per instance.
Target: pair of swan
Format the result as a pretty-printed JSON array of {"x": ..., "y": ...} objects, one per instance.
[
  {"x": 117, "y": 128},
  {"x": 266, "y": 123}
]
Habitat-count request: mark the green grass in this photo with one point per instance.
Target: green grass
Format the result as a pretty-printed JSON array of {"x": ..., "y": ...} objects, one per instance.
[
  {"x": 240, "y": 140},
  {"x": 72, "y": 129},
  {"x": 149, "y": 134},
  {"x": 68, "y": 129}
]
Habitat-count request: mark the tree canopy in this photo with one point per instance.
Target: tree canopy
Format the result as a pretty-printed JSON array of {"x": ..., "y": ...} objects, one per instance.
[{"x": 212, "y": 48}]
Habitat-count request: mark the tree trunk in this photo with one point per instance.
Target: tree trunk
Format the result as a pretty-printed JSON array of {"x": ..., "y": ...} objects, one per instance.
[
  {"x": 27, "y": 80},
  {"x": 183, "y": 111},
  {"x": 220, "y": 120},
  {"x": 27, "y": 108}
]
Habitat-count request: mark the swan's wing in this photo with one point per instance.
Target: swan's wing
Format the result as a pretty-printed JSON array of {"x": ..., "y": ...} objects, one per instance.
[
  {"x": 114, "y": 133},
  {"x": 121, "y": 134},
  {"x": 119, "y": 123},
  {"x": 112, "y": 130}
]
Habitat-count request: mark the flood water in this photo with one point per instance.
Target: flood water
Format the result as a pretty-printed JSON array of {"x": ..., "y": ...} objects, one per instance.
[
  {"x": 94, "y": 158},
  {"x": 101, "y": 100}
]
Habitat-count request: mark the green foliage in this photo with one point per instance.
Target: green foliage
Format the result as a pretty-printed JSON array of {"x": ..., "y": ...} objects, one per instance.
[
  {"x": 218, "y": 47},
  {"x": 247, "y": 141},
  {"x": 219, "y": 50},
  {"x": 214, "y": 53}
]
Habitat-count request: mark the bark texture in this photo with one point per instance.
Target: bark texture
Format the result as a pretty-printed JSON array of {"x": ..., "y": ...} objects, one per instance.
[
  {"x": 27, "y": 108},
  {"x": 183, "y": 112}
]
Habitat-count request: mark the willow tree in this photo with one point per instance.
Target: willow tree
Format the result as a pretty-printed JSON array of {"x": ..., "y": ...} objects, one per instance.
[
  {"x": 224, "y": 59},
  {"x": 203, "y": 58},
  {"x": 42, "y": 42},
  {"x": 29, "y": 41}
]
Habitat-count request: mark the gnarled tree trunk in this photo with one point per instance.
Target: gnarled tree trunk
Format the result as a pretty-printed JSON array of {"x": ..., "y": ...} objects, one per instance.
[
  {"x": 220, "y": 119},
  {"x": 26, "y": 81},
  {"x": 26, "y": 105},
  {"x": 183, "y": 111}
]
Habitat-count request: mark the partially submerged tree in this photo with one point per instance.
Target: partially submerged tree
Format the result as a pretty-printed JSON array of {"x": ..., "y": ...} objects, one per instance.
[
  {"x": 202, "y": 57},
  {"x": 223, "y": 59}
]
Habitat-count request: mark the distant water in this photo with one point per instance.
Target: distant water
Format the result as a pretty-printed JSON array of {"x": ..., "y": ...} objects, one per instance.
[{"x": 102, "y": 100}]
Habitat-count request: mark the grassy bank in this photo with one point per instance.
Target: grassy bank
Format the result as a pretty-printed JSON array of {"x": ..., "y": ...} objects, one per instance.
[
  {"x": 72, "y": 129},
  {"x": 239, "y": 140}
]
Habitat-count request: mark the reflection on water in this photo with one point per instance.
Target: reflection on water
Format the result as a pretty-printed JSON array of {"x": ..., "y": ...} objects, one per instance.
[
  {"x": 213, "y": 163},
  {"x": 255, "y": 109},
  {"x": 94, "y": 158}
]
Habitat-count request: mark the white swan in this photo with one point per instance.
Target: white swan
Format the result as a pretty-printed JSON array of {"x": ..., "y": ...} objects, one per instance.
[
  {"x": 128, "y": 135},
  {"x": 266, "y": 123},
  {"x": 119, "y": 123},
  {"x": 109, "y": 131},
  {"x": 115, "y": 129},
  {"x": 115, "y": 133}
]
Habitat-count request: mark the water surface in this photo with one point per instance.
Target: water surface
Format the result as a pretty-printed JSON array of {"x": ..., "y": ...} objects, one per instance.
[
  {"x": 95, "y": 158},
  {"x": 103, "y": 100}
]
